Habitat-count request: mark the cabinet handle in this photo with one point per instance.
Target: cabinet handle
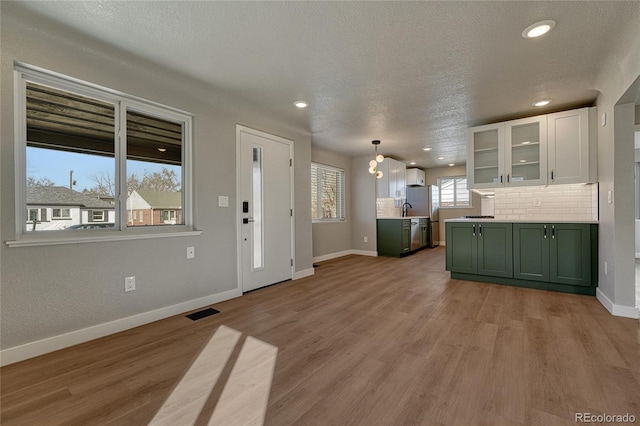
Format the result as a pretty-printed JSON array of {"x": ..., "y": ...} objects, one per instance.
[
  {"x": 553, "y": 231},
  {"x": 507, "y": 177},
  {"x": 474, "y": 230},
  {"x": 545, "y": 231},
  {"x": 500, "y": 178},
  {"x": 551, "y": 174},
  {"x": 480, "y": 230}
]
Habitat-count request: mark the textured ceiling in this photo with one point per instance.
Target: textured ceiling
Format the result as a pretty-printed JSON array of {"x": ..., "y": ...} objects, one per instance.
[{"x": 412, "y": 74}]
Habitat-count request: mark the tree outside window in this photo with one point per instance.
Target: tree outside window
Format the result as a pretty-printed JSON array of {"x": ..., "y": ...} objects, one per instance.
[{"x": 327, "y": 193}]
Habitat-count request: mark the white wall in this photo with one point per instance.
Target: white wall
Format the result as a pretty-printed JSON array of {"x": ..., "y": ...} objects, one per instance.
[
  {"x": 432, "y": 176},
  {"x": 363, "y": 205},
  {"x": 333, "y": 237},
  {"x": 615, "y": 173},
  {"x": 51, "y": 290}
]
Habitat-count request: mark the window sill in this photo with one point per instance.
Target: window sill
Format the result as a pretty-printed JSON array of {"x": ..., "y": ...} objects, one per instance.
[
  {"x": 96, "y": 238},
  {"x": 329, "y": 221},
  {"x": 455, "y": 208}
]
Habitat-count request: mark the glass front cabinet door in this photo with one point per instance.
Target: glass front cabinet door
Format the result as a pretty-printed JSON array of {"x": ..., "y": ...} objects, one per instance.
[
  {"x": 525, "y": 151},
  {"x": 485, "y": 156}
]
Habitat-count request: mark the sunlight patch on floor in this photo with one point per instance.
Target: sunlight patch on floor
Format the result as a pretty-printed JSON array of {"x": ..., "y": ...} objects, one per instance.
[{"x": 245, "y": 395}]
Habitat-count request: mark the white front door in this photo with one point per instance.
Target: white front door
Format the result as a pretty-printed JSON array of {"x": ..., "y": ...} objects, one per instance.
[{"x": 265, "y": 208}]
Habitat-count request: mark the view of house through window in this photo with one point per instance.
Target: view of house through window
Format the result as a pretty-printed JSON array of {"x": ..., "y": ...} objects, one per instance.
[
  {"x": 454, "y": 192},
  {"x": 327, "y": 193},
  {"x": 70, "y": 155},
  {"x": 154, "y": 172},
  {"x": 70, "y": 145}
]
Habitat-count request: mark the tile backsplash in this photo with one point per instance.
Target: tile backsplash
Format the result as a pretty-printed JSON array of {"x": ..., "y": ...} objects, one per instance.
[
  {"x": 388, "y": 207},
  {"x": 558, "y": 202}
]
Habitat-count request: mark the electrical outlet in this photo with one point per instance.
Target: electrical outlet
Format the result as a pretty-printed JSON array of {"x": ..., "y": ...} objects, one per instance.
[
  {"x": 609, "y": 196},
  {"x": 604, "y": 119},
  {"x": 366, "y": 239},
  {"x": 605, "y": 267},
  {"x": 191, "y": 252},
  {"x": 129, "y": 283}
]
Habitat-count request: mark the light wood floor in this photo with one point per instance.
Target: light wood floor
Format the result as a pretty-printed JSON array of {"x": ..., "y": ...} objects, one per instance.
[{"x": 371, "y": 341}]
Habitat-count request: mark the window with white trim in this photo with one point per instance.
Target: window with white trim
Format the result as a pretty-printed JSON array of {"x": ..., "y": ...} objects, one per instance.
[
  {"x": 62, "y": 213},
  {"x": 98, "y": 215},
  {"x": 327, "y": 193},
  {"x": 80, "y": 144},
  {"x": 454, "y": 192}
]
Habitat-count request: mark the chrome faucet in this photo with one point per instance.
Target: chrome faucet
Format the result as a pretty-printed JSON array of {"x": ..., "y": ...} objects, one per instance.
[{"x": 404, "y": 209}]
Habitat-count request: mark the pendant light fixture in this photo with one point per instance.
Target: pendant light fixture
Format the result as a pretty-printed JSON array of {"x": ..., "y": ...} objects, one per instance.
[{"x": 377, "y": 158}]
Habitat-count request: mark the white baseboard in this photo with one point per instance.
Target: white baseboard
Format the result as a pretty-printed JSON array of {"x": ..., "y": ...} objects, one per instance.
[
  {"x": 332, "y": 255},
  {"x": 442, "y": 243},
  {"x": 344, "y": 253},
  {"x": 50, "y": 344},
  {"x": 365, "y": 253},
  {"x": 304, "y": 273},
  {"x": 617, "y": 310}
]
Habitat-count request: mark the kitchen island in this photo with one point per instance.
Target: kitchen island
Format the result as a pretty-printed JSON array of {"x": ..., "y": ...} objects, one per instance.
[{"x": 558, "y": 255}]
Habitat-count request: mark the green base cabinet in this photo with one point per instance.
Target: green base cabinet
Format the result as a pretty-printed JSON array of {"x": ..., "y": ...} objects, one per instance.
[
  {"x": 550, "y": 256},
  {"x": 531, "y": 251},
  {"x": 424, "y": 232},
  {"x": 394, "y": 237},
  {"x": 462, "y": 247},
  {"x": 480, "y": 248},
  {"x": 553, "y": 252}
]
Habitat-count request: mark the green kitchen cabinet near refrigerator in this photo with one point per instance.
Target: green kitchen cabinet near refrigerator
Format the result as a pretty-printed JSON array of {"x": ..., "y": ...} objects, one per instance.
[
  {"x": 553, "y": 252},
  {"x": 394, "y": 237},
  {"x": 481, "y": 248}
]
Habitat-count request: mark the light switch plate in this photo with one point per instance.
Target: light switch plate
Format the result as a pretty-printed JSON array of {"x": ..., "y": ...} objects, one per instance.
[
  {"x": 604, "y": 119},
  {"x": 191, "y": 252},
  {"x": 223, "y": 201},
  {"x": 609, "y": 196}
]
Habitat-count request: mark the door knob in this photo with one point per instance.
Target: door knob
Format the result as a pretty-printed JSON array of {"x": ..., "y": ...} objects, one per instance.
[{"x": 247, "y": 220}]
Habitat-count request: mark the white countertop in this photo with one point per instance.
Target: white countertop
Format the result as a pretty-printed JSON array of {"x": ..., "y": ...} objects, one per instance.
[{"x": 462, "y": 219}]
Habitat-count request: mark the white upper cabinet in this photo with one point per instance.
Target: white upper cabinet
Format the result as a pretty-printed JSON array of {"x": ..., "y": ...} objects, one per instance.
[
  {"x": 525, "y": 151},
  {"x": 543, "y": 150},
  {"x": 392, "y": 184},
  {"x": 572, "y": 156},
  {"x": 415, "y": 177},
  {"x": 485, "y": 156}
]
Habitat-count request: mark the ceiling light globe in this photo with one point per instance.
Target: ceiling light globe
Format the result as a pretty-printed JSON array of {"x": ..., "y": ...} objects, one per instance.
[
  {"x": 372, "y": 170},
  {"x": 379, "y": 174},
  {"x": 373, "y": 163},
  {"x": 379, "y": 158}
]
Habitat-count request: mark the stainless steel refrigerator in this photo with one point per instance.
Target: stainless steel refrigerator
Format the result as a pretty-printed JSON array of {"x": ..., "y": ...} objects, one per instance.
[{"x": 425, "y": 201}]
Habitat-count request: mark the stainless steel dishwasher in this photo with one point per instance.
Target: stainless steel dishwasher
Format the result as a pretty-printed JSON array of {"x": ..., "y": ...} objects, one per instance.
[{"x": 415, "y": 234}]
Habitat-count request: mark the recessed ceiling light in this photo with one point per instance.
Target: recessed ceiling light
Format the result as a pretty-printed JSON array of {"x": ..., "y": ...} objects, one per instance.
[
  {"x": 440, "y": 158},
  {"x": 426, "y": 148},
  {"x": 541, "y": 103},
  {"x": 301, "y": 104},
  {"x": 162, "y": 149},
  {"x": 538, "y": 29},
  {"x": 451, "y": 164},
  {"x": 413, "y": 163}
]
